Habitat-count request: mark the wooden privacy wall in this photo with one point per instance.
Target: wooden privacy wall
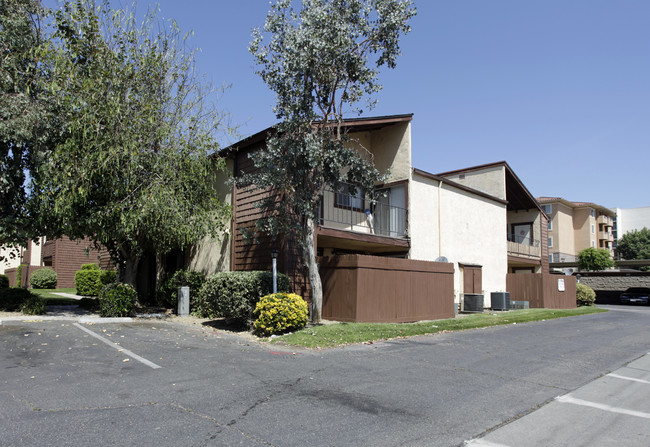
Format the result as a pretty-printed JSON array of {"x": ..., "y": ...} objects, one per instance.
[
  {"x": 386, "y": 290},
  {"x": 542, "y": 290}
]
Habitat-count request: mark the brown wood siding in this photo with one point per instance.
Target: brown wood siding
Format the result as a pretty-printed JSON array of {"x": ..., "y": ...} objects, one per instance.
[
  {"x": 472, "y": 279},
  {"x": 544, "y": 244},
  {"x": 541, "y": 290},
  {"x": 386, "y": 290}
]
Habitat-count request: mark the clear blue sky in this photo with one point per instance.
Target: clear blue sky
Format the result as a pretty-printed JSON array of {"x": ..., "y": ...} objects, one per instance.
[{"x": 557, "y": 88}]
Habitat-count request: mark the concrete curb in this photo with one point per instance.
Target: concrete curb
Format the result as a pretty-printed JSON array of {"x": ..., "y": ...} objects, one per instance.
[{"x": 93, "y": 320}]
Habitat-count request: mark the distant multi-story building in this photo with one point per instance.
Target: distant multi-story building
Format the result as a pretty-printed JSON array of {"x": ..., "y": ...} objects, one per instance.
[
  {"x": 630, "y": 219},
  {"x": 574, "y": 226}
]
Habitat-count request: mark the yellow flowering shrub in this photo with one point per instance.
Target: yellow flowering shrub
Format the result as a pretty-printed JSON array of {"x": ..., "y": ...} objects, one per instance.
[{"x": 280, "y": 312}]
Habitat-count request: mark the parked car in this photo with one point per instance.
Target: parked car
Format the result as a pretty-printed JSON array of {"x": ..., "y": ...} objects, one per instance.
[{"x": 639, "y": 295}]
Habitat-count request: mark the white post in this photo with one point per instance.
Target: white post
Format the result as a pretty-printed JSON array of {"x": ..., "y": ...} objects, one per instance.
[{"x": 183, "y": 301}]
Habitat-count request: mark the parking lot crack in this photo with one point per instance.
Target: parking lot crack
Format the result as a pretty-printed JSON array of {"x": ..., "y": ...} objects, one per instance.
[{"x": 219, "y": 424}]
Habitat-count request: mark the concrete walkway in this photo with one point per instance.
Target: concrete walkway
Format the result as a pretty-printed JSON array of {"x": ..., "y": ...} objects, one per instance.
[
  {"x": 611, "y": 410},
  {"x": 68, "y": 295}
]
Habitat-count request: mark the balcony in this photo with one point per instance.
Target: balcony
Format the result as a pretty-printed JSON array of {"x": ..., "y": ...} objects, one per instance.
[
  {"x": 603, "y": 219},
  {"x": 523, "y": 246},
  {"x": 606, "y": 236},
  {"x": 353, "y": 212}
]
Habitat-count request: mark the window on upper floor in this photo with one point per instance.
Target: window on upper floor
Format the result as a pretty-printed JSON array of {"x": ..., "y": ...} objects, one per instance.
[
  {"x": 547, "y": 208},
  {"x": 593, "y": 229},
  {"x": 550, "y": 225},
  {"x": 350, "y": 197},
  {"x": 550, "y": 241},
  {"x": 593, "y": 212}
]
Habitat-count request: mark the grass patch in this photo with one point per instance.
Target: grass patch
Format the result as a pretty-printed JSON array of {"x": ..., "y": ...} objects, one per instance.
[
  {"x": 49, "y": 295},
  {"x": 330, "y": 335}
]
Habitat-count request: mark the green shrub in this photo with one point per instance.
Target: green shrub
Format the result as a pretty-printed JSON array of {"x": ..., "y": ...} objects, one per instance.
[
  {"x": 167, "y": 293},
  {"x": 88, "y": 282},
  {"x": 117, "y": 300},
  {"x": 107, "y": 277},
  {"x": 19, "y": 275},
  {"x": 233, "y": 295},
  {"x": 45, "y": 278},
  {"x": 89, "y": 267},
  {"x": 4, "y": 282},
  {"x": 585, "y": 295},
  {"x": 13, "y": 297},
  {"x": 33, "y": 305},
  {"x": 279, "y": 313}
]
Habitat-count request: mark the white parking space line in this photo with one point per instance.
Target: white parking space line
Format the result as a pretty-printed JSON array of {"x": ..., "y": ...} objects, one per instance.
[
  {"x": 483, "y": 443},
  {"x": 118, "y": 347},
  {"x": 585, "y": 403},
  {"x": 632, "y": 379}
]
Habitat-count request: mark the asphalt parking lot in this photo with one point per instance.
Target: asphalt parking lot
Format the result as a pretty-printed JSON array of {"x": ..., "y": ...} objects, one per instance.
[{"x": 151, "y": 382}]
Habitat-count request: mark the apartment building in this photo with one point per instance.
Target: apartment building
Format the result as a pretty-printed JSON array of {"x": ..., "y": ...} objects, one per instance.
[{"x": 575, "y": 226}]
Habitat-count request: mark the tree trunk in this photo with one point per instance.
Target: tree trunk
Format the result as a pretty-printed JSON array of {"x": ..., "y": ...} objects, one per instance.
[
  {"x": 130, "y": 273},
  {"x": 309, "y": 254}
]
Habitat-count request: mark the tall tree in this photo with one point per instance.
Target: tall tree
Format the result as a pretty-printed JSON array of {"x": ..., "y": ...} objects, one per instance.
[
  {"x": 25, "y": 113},
  {"x": 135, "y": 169},
  {"x": 317, "y": 63},
  {"x": 634, "y": 244}
]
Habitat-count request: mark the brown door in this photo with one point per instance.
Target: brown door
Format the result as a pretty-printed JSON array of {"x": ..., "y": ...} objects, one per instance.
[{"x": 472, "y": 279}]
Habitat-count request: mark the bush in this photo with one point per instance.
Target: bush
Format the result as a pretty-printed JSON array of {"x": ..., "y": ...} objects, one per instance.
[
  {"x": 45, "y": 278},
  {"x": 90, "y": 280},
  {"x": 233, "y": 295},
  {"x": 33, "y": 305},
  {"x": 91, "y": 304},
  {"x": 13, "y": 297},
  {"x": 585, "y": 295},
  {"x": 280, "y": 312},
  {"x": 117, "y": 300},
  {"x": 167, "y": 293},
  {"x": 19, "y": 275},
  {"x": 107, "y": 277},
  {"x": 89, "y": 267},
  {"x": 4, "y": 282}
]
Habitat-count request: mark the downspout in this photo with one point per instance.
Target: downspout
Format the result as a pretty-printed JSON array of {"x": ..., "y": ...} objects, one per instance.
[{"x": 439, "y": 219}]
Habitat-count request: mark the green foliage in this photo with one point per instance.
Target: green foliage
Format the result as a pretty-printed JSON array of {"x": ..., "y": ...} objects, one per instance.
[
  {"x": 233, "y": 295},
  {"x": 279, "y": 313},
  {"x": 19, "y": 275},
  {"x": 89, "y": 266},
  {"x": 117, "y": 300},
  {"x": 107, "y": 277},
  {"x": 634, "y": 244},
  {"x": 26, "y": 117},
  {"x": 4, "y": 282},
  {"x": 167, "y": 293},
  {"x": 12, "y": 298},
  {"x": 33, "y": 305},
  {"x": 88, "y": 282},
  {"x": 136, "y": 164},
  {"x": 595, "y": 259},
  {"x": 316, "y": 61},
  {"x": 585, "y": 295},
  {"x": 45, "y": 278}
]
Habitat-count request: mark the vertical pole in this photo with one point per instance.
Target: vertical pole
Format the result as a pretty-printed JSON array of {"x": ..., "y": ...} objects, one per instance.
[{"x": 275, "y": 275}]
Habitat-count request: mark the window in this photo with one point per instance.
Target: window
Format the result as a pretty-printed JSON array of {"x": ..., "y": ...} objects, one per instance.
[
  {"x": 550, "y": 224},
  {"x": 593, "y": 213},
  {"x": 593, "y": 229},
  {"x": 550, "y": 241},
  {"x": 593, "y": 244},
  {"x": 350, "y": 197},
  {"x": 550, "y": 257},
  {"x": 547, "y": 208}
]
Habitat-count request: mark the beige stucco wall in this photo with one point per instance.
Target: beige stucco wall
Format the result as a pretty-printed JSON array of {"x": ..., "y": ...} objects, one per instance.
[
  {"x": 13, "y": 257},
  {"x": 213, "y": 255},
  {"x": 390, "y": 147},
  {"x": 562, "y": 232},
  {"x": 491, "y": 180},
  {"x": 582, "y": 225},
  {"x": 465, "y": 228}
]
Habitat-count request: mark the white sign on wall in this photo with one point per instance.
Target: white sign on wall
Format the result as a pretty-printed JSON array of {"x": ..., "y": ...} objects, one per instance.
[{"x": 560, "y": 284}]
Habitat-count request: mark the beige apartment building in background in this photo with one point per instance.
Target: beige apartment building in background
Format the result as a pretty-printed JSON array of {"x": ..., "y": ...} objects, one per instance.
[{"x": 574, "y": 226}]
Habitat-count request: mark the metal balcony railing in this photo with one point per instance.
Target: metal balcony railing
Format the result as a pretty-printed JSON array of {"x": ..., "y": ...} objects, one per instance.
[
  {"x": 526, "y": 246},
  {"x": 352, "y": 212}
]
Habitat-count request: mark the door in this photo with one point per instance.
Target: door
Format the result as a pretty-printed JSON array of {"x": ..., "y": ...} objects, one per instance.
[{"x": 472, "y": 279}]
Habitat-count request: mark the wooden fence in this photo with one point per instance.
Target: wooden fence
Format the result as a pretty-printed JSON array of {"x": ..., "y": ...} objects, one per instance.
[
  {"x": 386, "y": 290},
  {"x": 542, "y": 290}
]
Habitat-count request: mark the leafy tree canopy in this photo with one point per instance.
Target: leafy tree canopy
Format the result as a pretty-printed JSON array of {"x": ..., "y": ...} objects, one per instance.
[
  {"x": 595, "y": 259},
  {"x": 135, "y": 164},
  {"x": 634, "y": 244},
  {"x": 317, "y": 61}
]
